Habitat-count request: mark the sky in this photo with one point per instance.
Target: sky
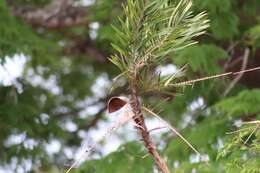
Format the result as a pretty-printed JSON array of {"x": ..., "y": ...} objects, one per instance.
[{"x": 11, "y": 69}]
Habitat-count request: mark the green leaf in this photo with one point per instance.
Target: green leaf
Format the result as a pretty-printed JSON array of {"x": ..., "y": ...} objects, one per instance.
[
  {"x": 201, "y": 58},
  {"x": 245, "y": 103},
  {"x": 213, "y": 6},
  {"x": 224, "y": 25},
  {"x": 254, "y": 36},
  {"x": 115, "y": 60}
]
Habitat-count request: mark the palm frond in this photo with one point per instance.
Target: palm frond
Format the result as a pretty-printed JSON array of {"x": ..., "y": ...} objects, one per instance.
[{"x": 153, "y": 29}]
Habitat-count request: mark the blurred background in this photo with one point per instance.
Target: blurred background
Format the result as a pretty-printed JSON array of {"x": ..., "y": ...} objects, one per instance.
[{"x": 56, "y": 79}]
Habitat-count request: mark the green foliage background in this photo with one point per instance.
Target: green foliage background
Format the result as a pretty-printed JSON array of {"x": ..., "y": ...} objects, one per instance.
[{"x": 234, "y": 26}]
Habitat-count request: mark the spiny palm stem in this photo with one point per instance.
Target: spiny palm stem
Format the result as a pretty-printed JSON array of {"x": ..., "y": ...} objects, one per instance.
[{"x": 142, "y": 129}]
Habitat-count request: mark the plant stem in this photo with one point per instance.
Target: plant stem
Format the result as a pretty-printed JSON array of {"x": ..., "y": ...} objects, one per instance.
[{"x": 142, "y": 129}]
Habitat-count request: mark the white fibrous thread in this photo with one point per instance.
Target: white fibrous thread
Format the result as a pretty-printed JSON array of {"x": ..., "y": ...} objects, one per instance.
[{"x": 126, "y": 116}]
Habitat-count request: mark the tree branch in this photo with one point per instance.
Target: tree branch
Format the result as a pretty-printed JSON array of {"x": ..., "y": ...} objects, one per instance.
[
  {"x": 95, "y": 120},
  {"x": 58, "y": 14},
  {"x": 240, "y": 75},
  {"x": 85, "y": 47}
]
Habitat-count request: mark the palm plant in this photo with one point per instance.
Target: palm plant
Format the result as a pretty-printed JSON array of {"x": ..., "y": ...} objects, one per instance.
[{"x": 149, "y": 32}]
